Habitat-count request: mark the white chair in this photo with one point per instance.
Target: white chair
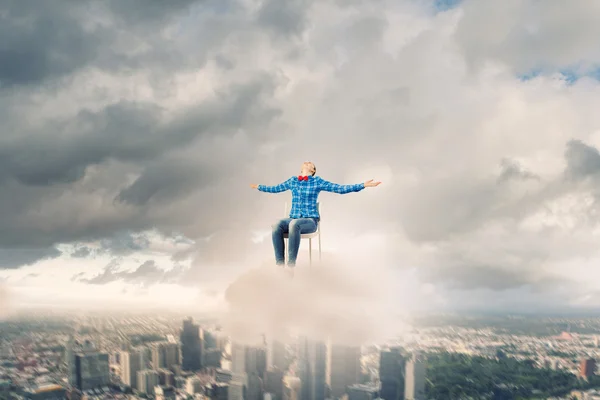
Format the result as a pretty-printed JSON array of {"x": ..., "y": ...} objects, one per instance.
[{"x": 309, "y": 236}]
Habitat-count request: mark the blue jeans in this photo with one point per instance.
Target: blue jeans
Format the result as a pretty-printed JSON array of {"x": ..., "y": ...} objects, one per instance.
[{"x": 294, "y": 227}]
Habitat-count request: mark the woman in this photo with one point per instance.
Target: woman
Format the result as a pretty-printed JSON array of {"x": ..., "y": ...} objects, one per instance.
[{"x": 304, "y": 215}]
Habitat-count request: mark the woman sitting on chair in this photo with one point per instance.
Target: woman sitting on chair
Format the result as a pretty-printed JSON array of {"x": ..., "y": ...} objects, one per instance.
[{"x": 304, "y": 214}]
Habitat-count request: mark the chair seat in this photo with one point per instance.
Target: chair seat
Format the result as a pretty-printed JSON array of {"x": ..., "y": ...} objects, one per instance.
[{"x": 304, "y": 235}]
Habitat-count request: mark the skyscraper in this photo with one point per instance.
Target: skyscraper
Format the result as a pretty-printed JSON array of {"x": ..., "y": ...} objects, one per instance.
[
  {"x": 191, "y": 346},
  {"x": 361, "y": 392},
  {"x": 91, "y": 370},
  {"x": 131, "y": 363},
  {"x": 248, "y": 366},
  {"x": 587, "y": 368},
  {"x": 343, "y": 368},
  {"x": 391, "y": 374},
  {"x": 276, "y": 355},
  {"x": 415, "y": 378},
  {"x": 70, "y": 360},
  {"x": 164, "y": 355},
  {"x": 147, "y": 381},
  {"x": 312, "y": 366}
]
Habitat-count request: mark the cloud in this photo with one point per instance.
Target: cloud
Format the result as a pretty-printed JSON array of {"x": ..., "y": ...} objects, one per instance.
[
  {"x": 148, "y": 273},
  {"x": 18, "y": 257},
  {"x": 328, "y": 300}
]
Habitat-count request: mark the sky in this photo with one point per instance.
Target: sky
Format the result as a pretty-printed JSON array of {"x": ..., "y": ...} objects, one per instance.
[{"x": 131, "y": 132}]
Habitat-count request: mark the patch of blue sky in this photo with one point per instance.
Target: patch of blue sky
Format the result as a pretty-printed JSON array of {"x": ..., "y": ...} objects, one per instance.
[
  {"x": 569, "y": 74},
  {"x": 444, "y": 5}
]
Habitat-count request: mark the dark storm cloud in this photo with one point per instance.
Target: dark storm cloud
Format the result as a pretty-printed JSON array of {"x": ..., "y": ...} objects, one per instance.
[
  {"x": 50, "y": 39},
  {"x": 582, "y": 160},
  {"x": 130, "y": 132},
  {"x": 284, "y": 17},
  {"x": 17, "y": 257},
  {"x": 43, "y": 40}
]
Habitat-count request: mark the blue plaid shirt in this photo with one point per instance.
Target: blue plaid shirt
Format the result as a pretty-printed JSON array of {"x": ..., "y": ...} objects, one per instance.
[{"x": 305, "y": 193}]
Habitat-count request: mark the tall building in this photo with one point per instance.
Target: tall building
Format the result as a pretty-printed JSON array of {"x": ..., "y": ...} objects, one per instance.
[
  {"x": 70, "y": 360},
  {"x": 391, "y": 374},
  {"x": 147, "y": 381},
  {"x": 362, "y": 392},
  {"x": 191, "y": 346},
  {"x": 131, "y": 363},
  {"x": 415, "y": 378},
  {"x": 276, "y": 355},
  {"x": 92, "y": 370},
  {"x": 165, "y": 393},
  {"x": 312, "y": 368},
  {"x": 292, "y": 389},
  {"x": 274, "y": 383},
  {"x": 193, "y": 385},
  {"x": 587, "y": 368},
  {"x": 165, "y": 377},
  {"x": 164, "y": 355},
  {"x": 248, "y": 366},
  {"x": 343, "y": 368},
  {"x": 236, "y": 390}
]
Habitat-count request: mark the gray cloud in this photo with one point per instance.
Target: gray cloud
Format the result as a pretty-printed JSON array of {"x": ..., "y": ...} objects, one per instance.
[
  {"x": 582, "y": 160},
  {"x": 81, "y": 252},
  {"x": 529, "y": 35},
  {"x": 146, "y": 274},
  {"x": 512, "y": 170},
  {"x": 17, "y": 257}
]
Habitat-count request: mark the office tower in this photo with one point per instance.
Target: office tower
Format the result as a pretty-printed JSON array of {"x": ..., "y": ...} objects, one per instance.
[
  {"x": 210, "y": 341},
  {"x": 164, "y": 355},
  {"x": 193, "y": 385},
  {"x": 212, "y": 358},
  {"x": 91, "y": 370},
  {"x": 217, "y": 391},
  {"x": 274, "y": 383},
  {"x": 276, "y": 355},
  {"x": 236, "y": 390},
  {"x": 254, "y": 387},
  {"x": 70, "y": 360},
  {"x": 415, "y": 378},
  {"x": 312, "y": 368},
  {"x": 165, "y": 393},
  {"x": 292, "y": 389},
  {"x": 165, "y": 377},
  {"x": 191, "y": 346},
  {"x": 131, "y": 363},
  {"x": 391, "y": 374},
  {"x": 587, "y": 368},
  {"x": 147, "y": 381},
  {"x": 222, "y": 376},
  {"x": 362, "y": 392},
  {"x": 343, "y": 368}
]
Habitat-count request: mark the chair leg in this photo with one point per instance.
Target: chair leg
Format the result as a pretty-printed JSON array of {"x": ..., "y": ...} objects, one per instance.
[
  {"x": 310, "y": 250},
  {"x": 319, "y": 247}
]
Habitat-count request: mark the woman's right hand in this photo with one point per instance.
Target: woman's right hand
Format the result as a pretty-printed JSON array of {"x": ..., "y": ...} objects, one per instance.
[{"x": 254, "y": 186}]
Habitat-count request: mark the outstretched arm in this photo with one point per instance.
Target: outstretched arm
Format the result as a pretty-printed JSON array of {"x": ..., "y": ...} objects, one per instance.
[
  {"x": 343, "y": 189},
  {"x": 273, "y": 189}
]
